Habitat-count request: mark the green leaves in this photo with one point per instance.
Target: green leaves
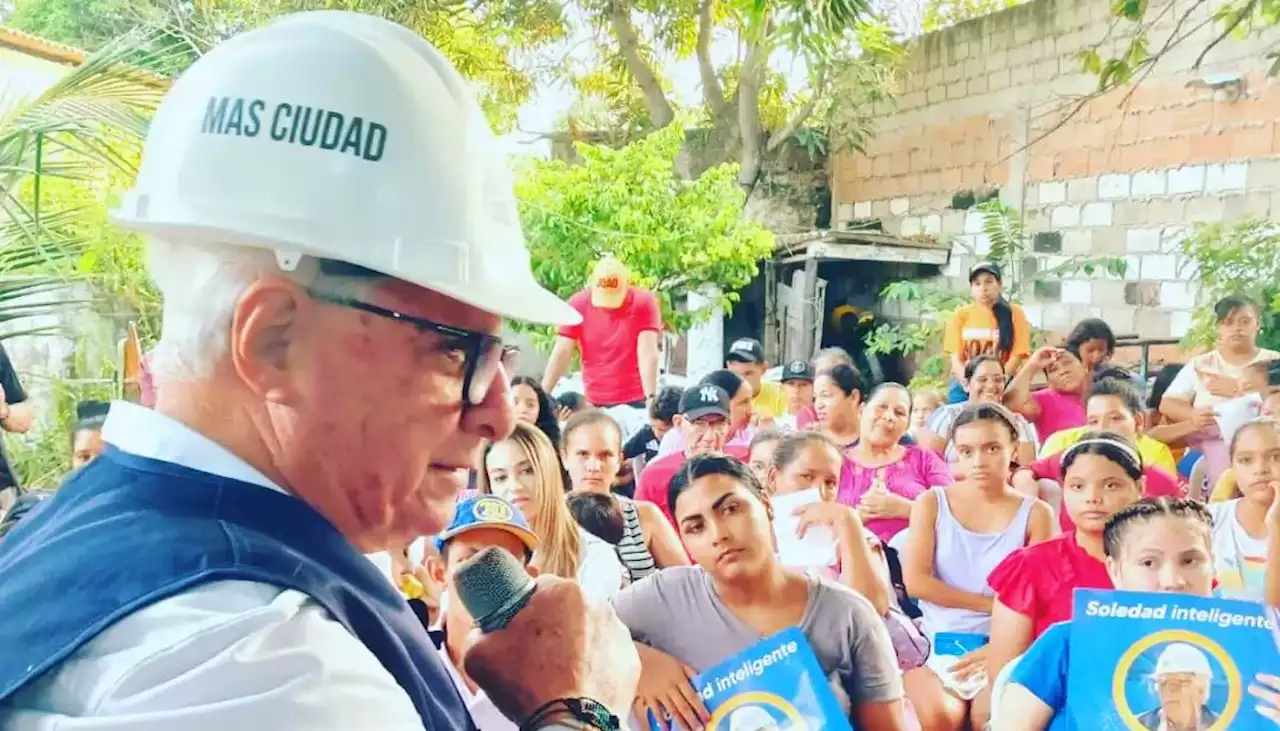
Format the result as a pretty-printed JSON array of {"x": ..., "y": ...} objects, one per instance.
[
  {"x": 1129, "y": 9},
  {"x": 58, "y": 152},
  {"x": 939, "y": 14},
  {"x": 494, "y": 43},
  {"x": 674, "y": 235},
  {"x": 1242, "y": 257}
]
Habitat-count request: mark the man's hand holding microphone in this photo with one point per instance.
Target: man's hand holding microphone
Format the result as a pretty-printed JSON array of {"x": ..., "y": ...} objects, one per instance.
[{"x": 541, "y": 651}]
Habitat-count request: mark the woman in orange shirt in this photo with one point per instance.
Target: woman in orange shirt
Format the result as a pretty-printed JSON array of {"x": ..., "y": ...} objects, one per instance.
[{"x": 990, "y": 325}]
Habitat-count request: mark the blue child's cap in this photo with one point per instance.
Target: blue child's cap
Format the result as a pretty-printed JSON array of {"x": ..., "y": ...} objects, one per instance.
[{"x": 487, "y": 511}]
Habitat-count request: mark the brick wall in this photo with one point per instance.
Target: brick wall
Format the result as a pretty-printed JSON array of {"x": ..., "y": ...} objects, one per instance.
[{"x": 993, "y": 103}]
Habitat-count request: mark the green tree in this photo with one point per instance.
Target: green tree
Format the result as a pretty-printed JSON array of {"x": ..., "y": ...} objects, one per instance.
[
  {"x": 747, "y": 110},
  {"x": 1129, "y": 53},
  {"x": 934, "y": 304},
  {"x": 1241, "y": 257},
  {"x": 674, "y": 234},
  {"x": 88, "y": 124},
  {"x": 494, "y": 43},
  {"x": 939, "y": 14}
]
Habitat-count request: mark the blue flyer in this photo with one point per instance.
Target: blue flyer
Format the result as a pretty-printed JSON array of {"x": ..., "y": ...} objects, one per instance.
[
  {"x": 774, "y": 685},
  {"x": 1149, "y": 662}
]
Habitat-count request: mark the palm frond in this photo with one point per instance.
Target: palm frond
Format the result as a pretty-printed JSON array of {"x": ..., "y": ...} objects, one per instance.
[{"x": 89, "y": 123}]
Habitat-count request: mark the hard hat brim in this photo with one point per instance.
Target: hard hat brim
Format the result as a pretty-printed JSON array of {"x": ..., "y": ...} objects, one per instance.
[
  {"x": 524, "y": 302},
  {"x": 520, "y": 298}
]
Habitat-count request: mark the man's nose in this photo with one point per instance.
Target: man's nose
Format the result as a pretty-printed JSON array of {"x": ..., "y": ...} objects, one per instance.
[
  {"x": 494, "y": 418},
  {"x": 593, "y": 464}
]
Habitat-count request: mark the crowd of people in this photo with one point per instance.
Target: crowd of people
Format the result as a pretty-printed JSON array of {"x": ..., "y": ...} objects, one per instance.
[
  {"x": 276, "y": 540},
  {"x": 977, "y": 511}
]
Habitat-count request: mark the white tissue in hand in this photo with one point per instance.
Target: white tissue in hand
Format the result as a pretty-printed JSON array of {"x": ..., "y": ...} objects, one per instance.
[
  {"x": 1235, "y": 413},
  {"x": 817, "y": 549}
]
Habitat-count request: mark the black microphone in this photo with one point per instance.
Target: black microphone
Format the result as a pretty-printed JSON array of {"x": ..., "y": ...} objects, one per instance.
[{"x": 493, "y": 586}]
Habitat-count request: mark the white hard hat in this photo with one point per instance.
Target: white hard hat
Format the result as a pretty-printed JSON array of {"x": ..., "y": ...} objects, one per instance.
[
  {"x": 751, "y": 718},
  {"x": 341, "y": 136},
  {"x": 1181, "y": 657}
]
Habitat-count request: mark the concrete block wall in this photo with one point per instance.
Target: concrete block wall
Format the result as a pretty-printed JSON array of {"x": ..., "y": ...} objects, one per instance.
[{"x": 1000, "y": 104}]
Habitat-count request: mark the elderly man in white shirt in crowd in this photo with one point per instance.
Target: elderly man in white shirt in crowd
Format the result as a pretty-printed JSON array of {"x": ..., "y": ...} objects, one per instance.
[{"x": 337, "y": 244}]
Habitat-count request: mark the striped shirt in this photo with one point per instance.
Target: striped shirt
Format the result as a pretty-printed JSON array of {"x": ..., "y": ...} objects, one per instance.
[{"x": 632, "y": 550}]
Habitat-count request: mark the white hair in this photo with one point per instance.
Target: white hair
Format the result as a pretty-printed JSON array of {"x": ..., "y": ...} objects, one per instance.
[{"x": 200, "y": 285}]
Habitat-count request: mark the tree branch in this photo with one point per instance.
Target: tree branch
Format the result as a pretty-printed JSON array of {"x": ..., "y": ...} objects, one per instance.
[
  {"x": 1243, "y": 13},
  {"x": 655, "y": 99},
  {"x": 801, "y": 115},
  {"x": 712, "y": 93},
  {"x": 749, "y": 83}
]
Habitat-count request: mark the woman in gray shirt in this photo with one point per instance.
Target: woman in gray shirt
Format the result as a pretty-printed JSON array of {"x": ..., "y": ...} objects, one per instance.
[{"x": 687, "y": 619}]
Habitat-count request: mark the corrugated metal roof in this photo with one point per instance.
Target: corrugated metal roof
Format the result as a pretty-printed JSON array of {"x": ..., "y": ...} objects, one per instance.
[
  {"x": 61, "y": 53},
  {"x": 40, "y": 47}
]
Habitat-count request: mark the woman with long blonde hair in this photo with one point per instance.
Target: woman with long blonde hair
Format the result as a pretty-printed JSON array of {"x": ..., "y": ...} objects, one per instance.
[{"x": 524, "y": 469}]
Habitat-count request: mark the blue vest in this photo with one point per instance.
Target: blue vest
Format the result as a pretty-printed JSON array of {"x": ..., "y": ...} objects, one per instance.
[{"x": 128, "y": 531}]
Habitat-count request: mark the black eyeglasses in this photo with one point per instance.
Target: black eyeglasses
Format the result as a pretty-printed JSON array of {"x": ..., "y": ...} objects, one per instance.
[{"x": 484, "y": 354}]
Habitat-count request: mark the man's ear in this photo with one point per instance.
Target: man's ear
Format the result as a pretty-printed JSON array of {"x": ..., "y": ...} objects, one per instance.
[
  {"x": 1140, "y": 421},
  {"x": 771, "y": 481},
  {"x": 434, "y": 566},
  {"x": 265, "y": 325}
]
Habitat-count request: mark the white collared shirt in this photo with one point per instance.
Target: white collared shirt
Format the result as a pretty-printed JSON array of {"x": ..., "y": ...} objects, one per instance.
[
  {"x": 484, "y": 714},
  {"x": 225, "y": 656}
]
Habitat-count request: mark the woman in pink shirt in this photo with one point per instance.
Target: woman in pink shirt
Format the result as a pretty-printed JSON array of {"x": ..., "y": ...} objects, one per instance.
[
  {"x": 883, "y": 477},
  {"x": 1059, "y": 406}
]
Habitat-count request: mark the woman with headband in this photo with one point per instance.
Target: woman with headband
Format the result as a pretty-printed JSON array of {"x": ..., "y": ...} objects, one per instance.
[{"x": 1033, "y": 586}]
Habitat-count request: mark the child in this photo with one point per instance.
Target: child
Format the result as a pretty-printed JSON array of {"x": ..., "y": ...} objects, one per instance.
[
  {"x": 1156, "y": 544},
  {"x": 86, "y": 435},
  {"x": 760, "y": 453},
  {"x": 959, "y": 534},
  {"x": 662, "y": 413},
  {"x": 924, "y": 402},
  {"x": 1263, "y": 378},
  {"x": 1239, "y": 525},
  {"x": 1102, "y": 474},
  {"x": 599, "y": 514},
  {"x": 570, "y": 403}
]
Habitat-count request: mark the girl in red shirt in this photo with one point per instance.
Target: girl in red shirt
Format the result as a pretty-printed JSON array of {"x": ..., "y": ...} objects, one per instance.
[{"x": 1102, "y": 473}]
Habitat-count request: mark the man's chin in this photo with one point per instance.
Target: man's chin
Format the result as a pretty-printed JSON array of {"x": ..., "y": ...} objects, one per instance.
[{"x": 431, "y": 508}]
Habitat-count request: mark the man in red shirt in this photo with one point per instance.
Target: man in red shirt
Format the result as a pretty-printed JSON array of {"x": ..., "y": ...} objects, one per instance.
[
  {"x": 704, "y": 422},
  {"x": 618, "y": 340}
]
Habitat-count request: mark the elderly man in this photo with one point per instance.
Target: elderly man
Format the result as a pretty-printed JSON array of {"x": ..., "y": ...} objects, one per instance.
[
  {"x": 1183, "y": 681},
  {"x": 337, "y": 243}
]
